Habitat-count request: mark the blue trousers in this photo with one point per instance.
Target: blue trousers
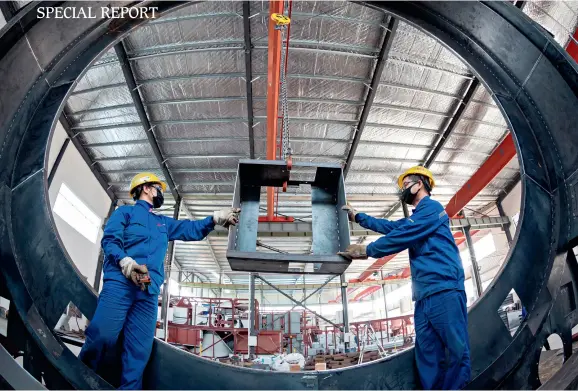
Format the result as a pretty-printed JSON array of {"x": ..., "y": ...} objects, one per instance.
[
  {"x": 122, "y": 306},
  {"x": 441, "y": 322}
]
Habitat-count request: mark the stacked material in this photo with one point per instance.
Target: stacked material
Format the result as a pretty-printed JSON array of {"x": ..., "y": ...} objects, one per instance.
[{"x": 335, "y": 361}]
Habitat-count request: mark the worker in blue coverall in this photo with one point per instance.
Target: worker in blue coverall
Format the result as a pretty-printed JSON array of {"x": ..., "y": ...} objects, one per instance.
[
  {"x": 135, "y": 240},
  {"x": 440, "y": 313}
]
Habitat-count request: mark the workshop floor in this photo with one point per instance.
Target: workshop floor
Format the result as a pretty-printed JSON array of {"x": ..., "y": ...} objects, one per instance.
[{"x": 551, "y": 361}]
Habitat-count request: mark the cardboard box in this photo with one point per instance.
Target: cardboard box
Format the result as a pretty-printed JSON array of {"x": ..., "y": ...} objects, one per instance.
[
  {"x": 294, "y": 368},
  {"x": 320, "y": 366}
]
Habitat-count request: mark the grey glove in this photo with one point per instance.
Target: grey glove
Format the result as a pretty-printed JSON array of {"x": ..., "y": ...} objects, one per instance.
[
  {"x": 354, "y": 251},
  {"x": 351, "y": 213},
  {"x": 226, "y": 217}
]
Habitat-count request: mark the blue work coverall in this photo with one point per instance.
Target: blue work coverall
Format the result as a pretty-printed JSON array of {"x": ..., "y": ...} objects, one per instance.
[
  {"x": 437, "y": 273},
  {"x": 136, "y": 232}
]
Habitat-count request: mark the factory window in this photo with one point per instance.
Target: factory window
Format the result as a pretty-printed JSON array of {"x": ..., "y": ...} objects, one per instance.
[
  {"x": 4, "y": 307},
  {"x": 515, "y": 219},
  {"x": 75, "y": 212}
]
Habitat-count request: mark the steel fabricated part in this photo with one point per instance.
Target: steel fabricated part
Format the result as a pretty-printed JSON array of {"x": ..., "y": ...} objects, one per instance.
[
  {"x": 330, "y": 227},
  {"x": 533, "y": 81}
]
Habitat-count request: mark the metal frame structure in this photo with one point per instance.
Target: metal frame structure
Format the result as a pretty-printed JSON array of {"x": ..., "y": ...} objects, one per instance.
[
  {"x": 330, "y": 228},
  {"x": 535, "y": 85}
]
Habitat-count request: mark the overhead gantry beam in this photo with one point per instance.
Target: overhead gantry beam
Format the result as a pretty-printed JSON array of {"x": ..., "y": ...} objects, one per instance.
[
  {"x": 391, "y": 29},
  {"x": 140, "y": 109},
  {"x": 305, "y": 229},
  {"x": 273, "y": 87},
  {"x": 249, "y": 76},
  {"x": 85, "y": 156}
]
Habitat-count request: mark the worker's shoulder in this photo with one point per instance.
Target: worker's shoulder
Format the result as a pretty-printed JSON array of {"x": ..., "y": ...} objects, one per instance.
[
  {"x": 432, "y": 204},
  {"x": 124, "y": 209}
]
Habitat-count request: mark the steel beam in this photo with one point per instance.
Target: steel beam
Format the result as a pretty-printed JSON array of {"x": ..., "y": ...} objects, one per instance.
[
  {"x": 273, "y": 88},
  {"x": 309, "y": 286},
  {"x": 166, "y": 296},
  {"x": 385, "y": 304},
  {"x": 9, "y": 9},
  {"x": 57, "y": 161},
  {"x": 501, "y": 156},
  {"x": 379, "y": 66},
  {"x": 449, "y": 129},
  {"x": 249, "y": 76},
  {"x": 345, "y": 309},
  {"x": 140, "y": 109},
  {"x": 86, "y": 157},
  {"x": 572, "y": 47},
  {"x": 100, "y": 261},
  {"x": 453, "y": 122},
  {"x": 476, "y": 279},
  {"x": 305, "y": 229},
  {"x": 251, "y": 327},
  {"x": 506, "y": 227}
]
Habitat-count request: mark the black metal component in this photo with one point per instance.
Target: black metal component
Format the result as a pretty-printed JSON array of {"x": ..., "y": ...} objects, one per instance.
[
  {"x": 453, "y": 122},
  {"x": 100, "y": 261},
  {"x": 251, "y": 327},
  {"x": 14, "y": 375},
  {"x": 85, "y": 156},
  {"x": 506, "y": 227},
  {"x": 509, "y": 187},
  {"x": 345, "y": 308},
  {"x": 443, "y": 138},
  {"x": 330, "y": 226},
  {"x": 507, "y": 190},
  {"x": 140, "y": 109},
  {"x": 405, "y": 209},
  {"x": 263, "y": 262},
  {"x": 9, "y": 9},
  {"x": 532, "y": 79},
  {"x": 379, "y": 66},
  {"x": 475, "y": 268},
  {"x": 57, "y": 161},
  {"x": 249, "y": 76},
  {"x": 169, "y": 258}
]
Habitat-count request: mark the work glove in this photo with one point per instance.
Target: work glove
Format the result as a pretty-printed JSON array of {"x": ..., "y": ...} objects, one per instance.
[
  {"x": 351, "y": 213},
  {"x": 128, "y": 266},
  {"x": 354, "y": 251},
  {"x": 226, "y": 217},
  {"x": 142, "y": 280}
]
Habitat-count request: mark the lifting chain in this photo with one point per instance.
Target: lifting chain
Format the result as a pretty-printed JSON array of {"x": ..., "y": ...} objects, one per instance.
[{"x": 282, "y": 22}]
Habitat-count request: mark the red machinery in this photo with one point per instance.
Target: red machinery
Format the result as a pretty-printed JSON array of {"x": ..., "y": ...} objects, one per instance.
[
  {"x": 227, "y": 321},
  {"x": 384, "y": 328},
  {"x": 308, "y": 326}
]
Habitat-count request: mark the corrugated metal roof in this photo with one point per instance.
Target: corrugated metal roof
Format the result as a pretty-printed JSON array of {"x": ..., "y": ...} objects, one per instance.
[{"x": 190, "y": 69}]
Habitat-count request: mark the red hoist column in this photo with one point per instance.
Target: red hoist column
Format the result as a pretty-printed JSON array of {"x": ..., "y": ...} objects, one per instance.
[{"x": 273, "y": 74}]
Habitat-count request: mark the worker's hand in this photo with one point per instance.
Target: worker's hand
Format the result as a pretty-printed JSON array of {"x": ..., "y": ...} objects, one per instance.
[
  {"x": 128, "y": 265},
  {"x": 351, "y": 213},
  {"x": 137, "y": 278},
  {"x": 226, "y": 217},
  {"x": 354, "y": 251}
]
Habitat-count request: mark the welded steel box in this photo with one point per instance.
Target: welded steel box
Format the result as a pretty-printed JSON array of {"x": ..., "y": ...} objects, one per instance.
[{"x": 329, "y": 227}]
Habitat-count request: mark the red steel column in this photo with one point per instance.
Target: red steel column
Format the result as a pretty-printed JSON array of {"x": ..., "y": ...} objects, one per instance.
[{"x": 273, "y": 73}]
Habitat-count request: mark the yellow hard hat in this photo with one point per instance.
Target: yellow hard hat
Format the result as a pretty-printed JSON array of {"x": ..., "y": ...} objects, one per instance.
[
  {"x": 145, "y": 177},
  {"x": 417, "y": 170}
]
